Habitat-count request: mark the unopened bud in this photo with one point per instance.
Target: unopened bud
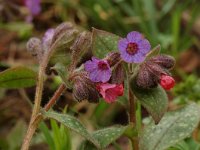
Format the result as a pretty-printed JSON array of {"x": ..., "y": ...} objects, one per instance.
[
  {"x": 118, "y": 74},
  {"x": 113, "y": 58},
  {"x": 165, "y": 61},
  {"x": 167, "y": 82},
  {"x": 61, "y": 29},
  {"x": 47, "y": 39},
  {"x": 81, "y": 45},
  {"x": 84, "y": 89},
  {"x": 34, "y": 46},
  {"x": 146, "y": 79}
]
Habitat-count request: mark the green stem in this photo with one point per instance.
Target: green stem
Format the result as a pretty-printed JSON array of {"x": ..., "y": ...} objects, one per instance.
[
  {"x": 138, "y": 116},
  {"x": 131, "y": 107}
]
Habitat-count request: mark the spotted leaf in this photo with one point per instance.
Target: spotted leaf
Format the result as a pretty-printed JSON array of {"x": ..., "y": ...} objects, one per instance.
[{"x": 174, "y": 127}]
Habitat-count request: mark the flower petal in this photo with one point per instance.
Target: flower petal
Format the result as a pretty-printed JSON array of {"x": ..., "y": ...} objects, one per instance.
[
  {"x": 134, "y": 36},
  {"x": 122, "y": 45},
  {"x": 95, "y": 75},
  {"x": 110, "y": 96},
  {"x": 95, "y": 59},
  {"x": 127, "y": 57},
  {"x": 144, "y": 46},
  {"x": 138, "y": 58},
  {"x": 33, "y": 6},
  {"x": 105, "y": 75},
  {"x": 90, "y": 66}
]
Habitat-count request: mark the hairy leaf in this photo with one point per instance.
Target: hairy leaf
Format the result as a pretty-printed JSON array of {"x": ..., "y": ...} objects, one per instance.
[
  {"x": 103, "y": 42},
  {"x": 154, "y": 100},
  {"x": 18, "y": 77},
  {"x": 105, "y": 137},
  {"x": 154, "y": 52},
  {"x": 63, "y": 73},
  {"x": 73, "y": 124},
  {"x": 174, "y": 127}
]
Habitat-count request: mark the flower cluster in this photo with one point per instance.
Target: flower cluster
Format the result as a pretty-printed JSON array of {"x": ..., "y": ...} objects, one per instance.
[
  {"x": 132, "y": 49},
  {"x": 155, "y": 71},
  {"x": 100, "y": 72}
]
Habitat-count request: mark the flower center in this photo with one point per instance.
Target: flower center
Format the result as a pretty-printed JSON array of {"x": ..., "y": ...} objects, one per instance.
[
  {"x": 102, "y": 65},
  {"x": 132, "y": 48}
]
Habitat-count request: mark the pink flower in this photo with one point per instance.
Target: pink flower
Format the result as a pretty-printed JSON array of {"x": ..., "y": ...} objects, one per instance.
[
  {"x": 110, "y": 92},
  {"x": 167, "y": 82}
]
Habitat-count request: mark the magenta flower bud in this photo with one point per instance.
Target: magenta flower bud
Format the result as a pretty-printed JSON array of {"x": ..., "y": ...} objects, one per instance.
[
  {"x": 84, "y": 88},
  {"x": 167, "y": 82}
]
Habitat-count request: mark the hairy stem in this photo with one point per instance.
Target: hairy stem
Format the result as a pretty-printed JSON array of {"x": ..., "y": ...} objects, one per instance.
[
  {"x": 33, "y": 123},
  {"x": 138, "y": 116},
  {"x": 131, "y": 107},
  {"x": 37, "y": 118}
]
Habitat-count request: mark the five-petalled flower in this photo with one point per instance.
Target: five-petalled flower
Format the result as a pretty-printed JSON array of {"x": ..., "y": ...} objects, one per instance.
[
  {"x": 99, "y": 70},
  {"x": 134, "y": 48}
]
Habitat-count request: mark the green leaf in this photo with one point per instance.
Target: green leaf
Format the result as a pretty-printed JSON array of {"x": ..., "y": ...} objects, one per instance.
[
  {"x": 105, "y": 137},
  {"x": 154, "y": 52},
  {"x": 103, "y": 42},
  {"x": 18, "y": 77},
  {"x": 47, "y": 135},
  {"x": 174, "y": 127},
  {"x": 16, "y": 135},
  {"x": 63, "y": 73},
  {"x": 154, "y": 100},
  {"x": 108, "y": 135},
  {"x": 73, "y": 124},
  {"x": 23, "y": 29}
]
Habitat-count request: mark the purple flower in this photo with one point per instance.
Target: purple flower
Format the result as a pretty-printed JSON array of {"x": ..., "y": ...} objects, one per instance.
[
  {"x": 134, "y": 48},
  {"x": 47, "y": 38},
  {"x": 99, "y": 70},
  {"x": 33, "y": 7}
]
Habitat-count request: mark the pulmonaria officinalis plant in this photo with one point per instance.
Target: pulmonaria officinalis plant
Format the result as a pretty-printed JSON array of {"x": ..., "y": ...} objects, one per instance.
[{"x": 99, "y": 65}]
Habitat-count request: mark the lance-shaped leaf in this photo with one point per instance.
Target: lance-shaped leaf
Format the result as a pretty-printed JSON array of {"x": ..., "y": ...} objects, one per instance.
[
  {"x": 154, "y": 100},
  {"x": 73, "y": 124},
  {"x": 105, "y": 137},
  {"x": 63, "y": 73},
  {"x": 174, "y": 127},
  {"x": 154, "y": 52},
  {"x": 18, "y": 77},
  {"x": 103, "y": 42}
]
